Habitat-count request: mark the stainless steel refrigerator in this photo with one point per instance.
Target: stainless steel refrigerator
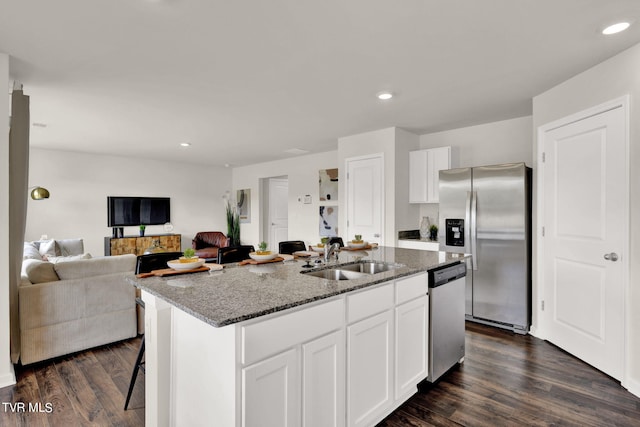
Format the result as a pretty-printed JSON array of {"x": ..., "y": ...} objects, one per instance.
[{"x": 486, "y": 212}]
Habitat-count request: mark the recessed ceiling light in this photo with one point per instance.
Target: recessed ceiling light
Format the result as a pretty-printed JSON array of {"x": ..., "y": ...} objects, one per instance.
[
  {"x": 616, "y": 28},
  {"x": 385, "y": 95},
  {"x": 185, "y": 144}
]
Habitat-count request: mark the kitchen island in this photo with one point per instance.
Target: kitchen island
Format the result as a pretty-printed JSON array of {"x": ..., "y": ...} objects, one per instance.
[{"x": 266, "y": 345}]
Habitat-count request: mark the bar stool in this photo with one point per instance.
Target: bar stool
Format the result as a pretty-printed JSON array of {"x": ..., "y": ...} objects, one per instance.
[
  {"x": 146, "y": 264},
  {"x": 291, "y": 246},
  {"x": 138, "y": 365}
]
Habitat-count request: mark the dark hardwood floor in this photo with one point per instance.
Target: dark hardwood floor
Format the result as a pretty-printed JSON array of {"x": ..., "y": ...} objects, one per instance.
[
  {"x": 506, "y": 380},
  {"x": 513, "y": 380},
  {"x": 84, "y": 389}
]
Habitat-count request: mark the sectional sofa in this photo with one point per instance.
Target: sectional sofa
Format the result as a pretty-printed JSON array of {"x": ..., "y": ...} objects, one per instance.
[{"x": 70, "y": 301}]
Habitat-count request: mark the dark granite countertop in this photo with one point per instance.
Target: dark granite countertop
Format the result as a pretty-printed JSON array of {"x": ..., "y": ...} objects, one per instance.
[{"x": 234, "y": 294}]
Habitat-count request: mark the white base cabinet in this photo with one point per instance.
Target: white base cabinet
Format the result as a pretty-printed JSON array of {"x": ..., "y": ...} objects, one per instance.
[
  {"x": 270, "y": 392},
  {"x": 370, "y": 352},
  {"x": 323, "y": 378},
  {"x": 345, "y": 361},
  {"x": 412, "y": 346},
  {"x": 419, "y": 244}
]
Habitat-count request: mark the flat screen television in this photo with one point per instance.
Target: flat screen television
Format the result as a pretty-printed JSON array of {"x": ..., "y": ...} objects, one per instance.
[{"x": 130, "y": 211}]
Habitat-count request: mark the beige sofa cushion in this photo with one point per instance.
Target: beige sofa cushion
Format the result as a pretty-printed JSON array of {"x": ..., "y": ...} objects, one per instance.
[
  {"x": 57, "y": 259},
  {"x": 85, "y": 268},
  {"x": 38, "y": 271}
]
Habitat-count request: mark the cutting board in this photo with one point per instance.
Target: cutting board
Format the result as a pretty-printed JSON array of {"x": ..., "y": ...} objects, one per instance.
[
  {"x": 170, "y": 272},
  {"x": 364, "y": 248},
  {"x": 254, "y": 262}
]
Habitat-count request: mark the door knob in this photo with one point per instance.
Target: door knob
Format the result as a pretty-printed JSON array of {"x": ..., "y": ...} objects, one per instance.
[
  {"x": 611, "y": 257},
  {"x": 376, "y": 235}
]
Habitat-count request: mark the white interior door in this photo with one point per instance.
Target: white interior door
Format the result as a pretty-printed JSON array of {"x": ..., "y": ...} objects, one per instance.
[
  {"x": 278, "y": 211},
  {"x": 365, "y": 198},
  {"x": 585, "y": 186}
]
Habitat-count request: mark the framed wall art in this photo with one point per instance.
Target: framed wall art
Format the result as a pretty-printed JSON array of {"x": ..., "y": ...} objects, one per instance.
[
  {"x": 328, "y": 181},
  {"x": 243, "y": 202}
]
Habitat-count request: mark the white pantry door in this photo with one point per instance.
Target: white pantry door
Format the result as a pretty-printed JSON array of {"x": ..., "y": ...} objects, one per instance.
[
  {"x": 365, "y": 198},
  {"x": 278, "y": 212},
  {"x": 585, "y": 201}
]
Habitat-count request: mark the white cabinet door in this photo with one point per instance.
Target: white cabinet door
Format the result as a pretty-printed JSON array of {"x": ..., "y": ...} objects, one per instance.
[
  {"x": 411, "y": 347},
  {"x": 271, "y": 392},
  {"x": 424, "y": 166},
  {"x": 323, "y": 381},
  {"x": 369, "y": 354},
  {"x": 418, "y": 176},
  {"x": 439, "y": 159}
]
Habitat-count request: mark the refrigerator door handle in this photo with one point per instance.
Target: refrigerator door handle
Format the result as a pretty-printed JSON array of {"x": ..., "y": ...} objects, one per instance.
[
  {"x": 473, "y": 231},
  {"x": 467, "y": 226}
]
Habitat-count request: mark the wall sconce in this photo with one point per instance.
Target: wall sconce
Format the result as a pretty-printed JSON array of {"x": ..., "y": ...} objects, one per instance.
[{"x": 39, "y": 193}]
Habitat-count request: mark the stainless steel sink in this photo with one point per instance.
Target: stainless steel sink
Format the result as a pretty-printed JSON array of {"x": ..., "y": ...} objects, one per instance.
[
  {"x": 335, "y": 274},
  {"x": 356, "y": 270},
  {"x": 368, "y": 267}
]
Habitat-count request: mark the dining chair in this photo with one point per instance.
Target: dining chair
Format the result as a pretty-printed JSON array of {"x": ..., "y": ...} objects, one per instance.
[
  {"x": 337, "y": 240},
  {"x": 234, "y": 253},
  {"x": 156, "y": 261},
  {"x": 291, "y": 246}
]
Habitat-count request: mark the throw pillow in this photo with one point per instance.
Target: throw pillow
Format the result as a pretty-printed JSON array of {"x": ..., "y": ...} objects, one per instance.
[
  {"x": 48, "y": 248},
  {"x": 38, "y": 271},
  {"x": 57, "y": 259},
  {"x": 31, "y": 251},
  {"x": 70, "y": 247}
]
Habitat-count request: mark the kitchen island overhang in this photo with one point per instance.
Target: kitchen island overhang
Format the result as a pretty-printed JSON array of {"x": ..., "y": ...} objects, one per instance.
[{"x": 199, "y": 329}]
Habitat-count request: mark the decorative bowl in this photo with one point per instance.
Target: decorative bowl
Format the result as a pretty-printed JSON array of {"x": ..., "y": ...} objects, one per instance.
[
  {"x": 186, "y": 263},
  {"x": 318, "y": 248},
  {"x": 352, "y": 244},
  {"x": 263, "y": 257}
]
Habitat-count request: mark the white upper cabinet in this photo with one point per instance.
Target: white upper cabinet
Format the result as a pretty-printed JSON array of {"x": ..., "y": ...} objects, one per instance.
[{"x": 424, "y": 166}]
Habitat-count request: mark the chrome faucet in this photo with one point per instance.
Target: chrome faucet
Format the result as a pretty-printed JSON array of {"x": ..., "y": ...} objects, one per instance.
[{"x": 329, "y": 249}]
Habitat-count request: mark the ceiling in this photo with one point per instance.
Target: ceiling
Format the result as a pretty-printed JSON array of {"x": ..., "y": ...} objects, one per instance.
[{"x": 243, "y": 81}]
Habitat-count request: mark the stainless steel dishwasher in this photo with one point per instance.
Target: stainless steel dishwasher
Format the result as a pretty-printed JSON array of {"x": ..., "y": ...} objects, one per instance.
[{"x": 446, "y": 318}]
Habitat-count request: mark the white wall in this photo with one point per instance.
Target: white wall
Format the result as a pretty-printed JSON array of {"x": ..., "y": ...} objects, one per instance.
[
  {"x": 394, "y": 144},
  {"x": 302, "y": 173},
  {"x": 7, "y": 376},
  {"x": 506, "y": 141},
  {"x": 610, "y": 79},
  {"x": 79, "y": 184},
  {"x": 407, "y": 214}
]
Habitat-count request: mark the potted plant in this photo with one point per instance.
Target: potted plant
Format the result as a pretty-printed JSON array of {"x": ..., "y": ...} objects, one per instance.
[
  {"x": 262, "y": 249},
  {"x": 142, "y": 228},
  {"x": 433, "y": 232},
  {"x": 233, "y": 224},
  {"x": 189, "y": 256},
  {"x": 358, "y": 238},
  {"x": 189, "y": 253},
  {"x": 262, "y": 254}
]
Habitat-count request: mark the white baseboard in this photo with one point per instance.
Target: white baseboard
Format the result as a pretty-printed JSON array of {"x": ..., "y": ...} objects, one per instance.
[
  {"x": 632, "y": 386},
  {"x": 8, "y": 378}
]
